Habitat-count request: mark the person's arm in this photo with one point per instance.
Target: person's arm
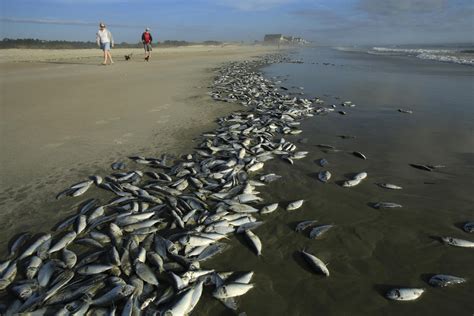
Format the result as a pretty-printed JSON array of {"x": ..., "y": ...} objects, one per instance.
[
  {"x": 97, "y": 39},
  {"x": 143, "y": 38},
  {"x": 111, "y": 39},
  {"x": 151, "y": 39}
]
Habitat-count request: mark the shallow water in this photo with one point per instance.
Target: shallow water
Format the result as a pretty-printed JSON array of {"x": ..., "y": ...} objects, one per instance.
[{"x": 369, "y": 250}]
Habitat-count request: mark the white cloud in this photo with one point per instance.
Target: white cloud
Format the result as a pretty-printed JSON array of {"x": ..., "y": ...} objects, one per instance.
[{"x": 60, "y": 22}]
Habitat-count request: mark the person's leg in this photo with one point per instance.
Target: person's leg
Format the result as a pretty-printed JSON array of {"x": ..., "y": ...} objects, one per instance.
[
  {"x": 110, "y": 56},
  {"x": 105, "y": 57}
]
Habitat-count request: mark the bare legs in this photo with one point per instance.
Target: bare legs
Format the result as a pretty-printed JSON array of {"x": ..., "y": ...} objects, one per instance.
[{"x": 107, "y": 56}]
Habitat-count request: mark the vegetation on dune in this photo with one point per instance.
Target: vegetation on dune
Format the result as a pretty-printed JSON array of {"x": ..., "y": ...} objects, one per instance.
[{"x": 42, "y": 44}]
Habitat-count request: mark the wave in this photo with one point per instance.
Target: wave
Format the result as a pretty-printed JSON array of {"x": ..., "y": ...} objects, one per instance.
[{"x": 463, "y": 57}]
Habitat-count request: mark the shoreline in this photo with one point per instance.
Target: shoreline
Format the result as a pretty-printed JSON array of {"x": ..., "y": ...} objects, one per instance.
[
  {"x": 187, "y": 207},
  {"x": 59, "y": 143}
]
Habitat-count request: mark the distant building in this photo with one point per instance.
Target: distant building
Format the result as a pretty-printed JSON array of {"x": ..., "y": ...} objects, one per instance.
[
  {"x": 273, "y": 38},
  {"x": 280, "y": 39}
]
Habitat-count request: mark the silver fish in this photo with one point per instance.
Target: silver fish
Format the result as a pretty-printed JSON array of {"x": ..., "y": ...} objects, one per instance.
[
  {"x": 295, "y": 205},
  {"x": 32, "y": 248},
  {"x": 117, "y": 293},
  {"x": 380, "y": 205},
  {"x": 442, "y": 280},
  {"x": 457, "y": 242},
  {"x": 255, "y": 241},
  {"x": 324, "y": 176},
  {"x": 145, "y": 273},
  {"x": 269, "y": 208},
  {"x": 359, "y": 154},
  {"x": 389, "y": 186},
  {"x": 468, "y": 227},
  {"x": 315, "y": 263},
  {"x": 319, "y": 231},
  {"x": 303, "y": 225},
  {"x": 63, "y": 242},
  {"x": 404, "y": 294}
]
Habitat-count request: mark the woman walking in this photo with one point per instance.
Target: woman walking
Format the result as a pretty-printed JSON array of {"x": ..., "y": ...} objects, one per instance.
[{"x": 105, "y": 42}]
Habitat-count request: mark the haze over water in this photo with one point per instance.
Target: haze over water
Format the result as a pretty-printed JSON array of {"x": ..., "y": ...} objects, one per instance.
[{"x": 369, "y": 250}]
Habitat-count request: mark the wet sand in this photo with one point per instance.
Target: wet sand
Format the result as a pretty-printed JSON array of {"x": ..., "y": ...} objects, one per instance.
[
  {"x": 369, "y": 251},
  {"x": 65, "y": 117}
]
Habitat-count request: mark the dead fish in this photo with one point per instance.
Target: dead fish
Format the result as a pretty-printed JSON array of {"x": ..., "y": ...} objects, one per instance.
[
  {"x": 322, "y": 162},
  {"x": 69, "y": 258},
  {"x": 269, "y": 177},
  {"x": 315, "y": 263},
  {"x": 255, "y": 241},
  {"x": 145, "y": 273},
  {"x": 18, "y": 243},
  {"x": 389, "y": 186},
  {"x": 342, "y": 112},
  {"x": 35, "y": 245},
  {"x": 360, "y": 176},
  {"x": 468, "y": 227},
  {"x": 319, "y": 231},
  {"x": 269, "y": 208},
  {"x": 380, "y": 205},
  {"x": 33, "y": 267},
  {"x": 421, "y": 167},
  {"x": 359, "y": 154},
  {"x": 303, "y": 225},
  {"x": 457, "y": 242},
  {"x": 326, "y": 146},
  {"x": 63, "y": 242},
  {"x": 117, "y": 293},
  {"x": 350, "y": 183},
  {"x": 405, "y": 111},
  {"x": 294, "y": 205},
  {"x": 94, "y": 269},
  {"x": 346, "y": 136},
  {"x": 442, "y": 280},
  {"x": 324, "y": 176},
  {"x": 404, "y": 294}
]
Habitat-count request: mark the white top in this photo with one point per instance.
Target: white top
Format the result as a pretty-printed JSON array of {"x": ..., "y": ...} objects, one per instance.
[{"x": 104, "y": 36}]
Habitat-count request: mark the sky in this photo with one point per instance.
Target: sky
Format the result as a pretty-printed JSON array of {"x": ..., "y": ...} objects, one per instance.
[{"x": 326, "y": 22}]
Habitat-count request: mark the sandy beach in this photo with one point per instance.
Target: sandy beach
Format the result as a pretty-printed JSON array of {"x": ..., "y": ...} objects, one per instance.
[{"x": 64, "y": 117}]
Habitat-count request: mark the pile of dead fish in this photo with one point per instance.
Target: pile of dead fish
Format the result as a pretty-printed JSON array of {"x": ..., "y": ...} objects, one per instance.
[{"x": 141, "y": 251}]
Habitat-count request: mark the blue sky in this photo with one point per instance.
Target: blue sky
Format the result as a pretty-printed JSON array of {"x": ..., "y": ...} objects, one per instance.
[{"x": 326, "y": 22}]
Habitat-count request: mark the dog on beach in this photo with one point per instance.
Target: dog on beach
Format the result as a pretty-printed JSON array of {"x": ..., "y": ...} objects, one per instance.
[{"x": 128, "y": 57}]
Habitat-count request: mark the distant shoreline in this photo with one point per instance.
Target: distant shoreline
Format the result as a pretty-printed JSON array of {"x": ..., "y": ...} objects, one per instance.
[{"x": 47, "y": 55}]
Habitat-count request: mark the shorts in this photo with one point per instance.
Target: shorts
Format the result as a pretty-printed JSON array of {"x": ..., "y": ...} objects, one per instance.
[
  {"x": 105, "y": 46},
  {"x": 147, "y": 47}
]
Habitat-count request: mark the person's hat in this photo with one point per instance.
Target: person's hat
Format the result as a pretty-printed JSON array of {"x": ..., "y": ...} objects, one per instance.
[
  {"x": 147, "y": 29},
  {"x": 102, "y": 25}
]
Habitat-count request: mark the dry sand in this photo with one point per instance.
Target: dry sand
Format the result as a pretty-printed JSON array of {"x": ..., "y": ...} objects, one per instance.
[{"x": 65, "y": 117}]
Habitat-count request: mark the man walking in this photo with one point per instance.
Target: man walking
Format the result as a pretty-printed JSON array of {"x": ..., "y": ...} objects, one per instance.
[{"x": 146, "y": 40}]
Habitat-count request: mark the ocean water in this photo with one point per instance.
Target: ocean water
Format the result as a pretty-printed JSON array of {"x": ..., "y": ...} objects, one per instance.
[
  {"x": 458, "y": 54},
  {"x": 368, "y": 251}
]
